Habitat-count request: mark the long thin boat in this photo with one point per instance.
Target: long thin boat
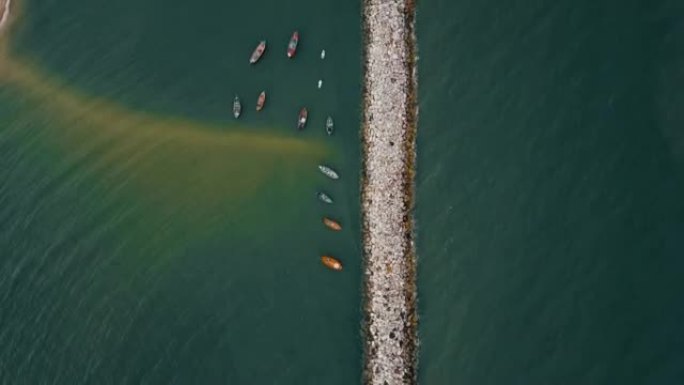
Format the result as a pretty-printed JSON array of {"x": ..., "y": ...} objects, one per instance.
[
  {"x": 261, "y": 100},
  {"x": 323, "y": 197},
  {"x": 332, "y": 224},
  {"x": 329, "y": 126},
  {"x": 329, "y": 172},
  {"x": 292, "y": 45},
  {"x": 331, "y": 263},
  {"x": 301, "y": 121},
  {"x": 258, "y": 52},
  {"x": 237, "y": 107}
]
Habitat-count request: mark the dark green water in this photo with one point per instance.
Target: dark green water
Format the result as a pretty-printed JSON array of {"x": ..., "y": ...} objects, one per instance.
[
  {"x": 145, "y": 238},
  {"x": 550, "y": 210}
]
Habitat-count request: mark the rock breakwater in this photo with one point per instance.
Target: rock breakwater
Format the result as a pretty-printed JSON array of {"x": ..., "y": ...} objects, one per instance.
[{"x": 388, "y": 132}]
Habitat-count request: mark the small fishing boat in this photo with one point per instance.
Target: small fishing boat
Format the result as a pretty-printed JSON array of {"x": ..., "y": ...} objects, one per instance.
[
  {"x": 329, "y": 172},
  {"x": 292, "y": 45},
  {"x": 261, "y": 100},
  {"x": 325, "y": 197},
  {"x": 331, "y": 224},
  {"x": 331, "y": 263},
  {"x": 322, "y": 54},
  {"x": 329, "y": 126},
  {"x": 320, "y": 83},
  {"x": 301, "y": 122},
  {"x": 258, "y": 51},
  {"x": 237, "y": 107}
]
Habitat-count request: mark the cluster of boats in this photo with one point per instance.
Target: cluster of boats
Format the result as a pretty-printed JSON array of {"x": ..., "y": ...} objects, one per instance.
[
  {"x": 261, "y": 99},
  {"x": 327, "y": 260}
]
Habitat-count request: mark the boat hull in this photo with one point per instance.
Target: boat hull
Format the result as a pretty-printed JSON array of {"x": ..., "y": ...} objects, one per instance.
[
  {"x": 261, "y": 101},
  {"x": 323, "y": 197},
  {"x": 258, "y": 52},
  {"x": 329, "y": 127},
  {"x": 331, "y": 263},
  {"x": 331, "y": 224},
  {"x": 292, "y": 45},
  {"x": 329, "y": 172},
  {"x": 237, "y": 108},
  {"x": 303, "y": 116}
]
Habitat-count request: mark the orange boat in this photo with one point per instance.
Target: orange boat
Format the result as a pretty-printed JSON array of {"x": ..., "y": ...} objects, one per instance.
[
  {"x": 331, "y": 224},
  {"x": 331, "y": 263},
  {"x": 261, "y": 100}
]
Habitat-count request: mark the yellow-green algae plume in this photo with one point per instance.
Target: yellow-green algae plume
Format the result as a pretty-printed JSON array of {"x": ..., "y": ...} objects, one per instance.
[{"x": 189, "y": 168}]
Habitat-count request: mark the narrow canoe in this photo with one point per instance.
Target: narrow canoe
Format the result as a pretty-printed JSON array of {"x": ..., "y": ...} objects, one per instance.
[
  {"x": 329, "y": 172},
  {"x": 292, "y": 45},
  {"x": 331, "y": 224},
  {"x": 329, "y": 125},
  {"x": 301, "y": 121},
  {"x": 331, "y": 263},
  {"x": 261, "y": 100},
  {"x": 237, "y": 107},
  {"x": 258, "y": 52},
  {"x": 325, "y": 197}
]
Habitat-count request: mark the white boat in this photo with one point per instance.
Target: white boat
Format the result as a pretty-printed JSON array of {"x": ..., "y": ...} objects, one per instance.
[
  {"x": 320, "y": 83},
  {"x": 325, "y": 197},
  {"x": 329, "y": 125},
  {"x": 237, "y": 107},
  {"x": 323, "y": 54},
  {"x": 329, "y": 172}
]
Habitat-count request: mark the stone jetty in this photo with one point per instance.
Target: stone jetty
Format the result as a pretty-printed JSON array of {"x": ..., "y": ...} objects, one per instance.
[{"x": 389, "y": 129}]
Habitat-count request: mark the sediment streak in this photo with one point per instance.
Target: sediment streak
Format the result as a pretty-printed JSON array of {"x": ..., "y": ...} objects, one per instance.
[
  {"x": 389, "y": 127},
  {"x": 4, "y": 12}
]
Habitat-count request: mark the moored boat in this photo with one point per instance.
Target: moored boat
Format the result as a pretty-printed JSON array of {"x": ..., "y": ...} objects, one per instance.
[
  {"x": 292, "y": 45},
  {"x": 332, "y": 224},
  {"x": 303, "y": 114},
  {"x": 261, "y": 100},
  {"x": 329, "y": 125},
  {"x": 324, "y": 197},
  {"x": 329, "y": 172},
  {"x": 258, "y": 52},
  {"x": 237, "y": 107},
  {"x": 331, "y": 263}
]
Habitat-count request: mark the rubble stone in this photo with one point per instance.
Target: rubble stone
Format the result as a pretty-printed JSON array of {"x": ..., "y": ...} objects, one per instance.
[{"x": 390, "y": 116}]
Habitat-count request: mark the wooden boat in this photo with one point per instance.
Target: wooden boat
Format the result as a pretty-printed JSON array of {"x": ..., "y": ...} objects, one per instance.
[
  {"x": 261, "y": 100},
  {"x": 329, "y": 172},
  {"x": 258, "y": 52},
  {"x": 292, "y": 45},
  {"x": 331, "y": 263},
  {"x": 329, "y": 126},
  {"x": 331, "y": 224},
  {"x": 237, "y": 107},
  {"x": 301, "y": 122},
  {"x": 325, "y": 197}
]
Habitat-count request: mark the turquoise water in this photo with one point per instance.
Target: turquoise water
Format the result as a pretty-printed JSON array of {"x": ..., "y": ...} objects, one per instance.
[
  {"x": 148, "y": 238},
  {"x": 550, "y": 213}
]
